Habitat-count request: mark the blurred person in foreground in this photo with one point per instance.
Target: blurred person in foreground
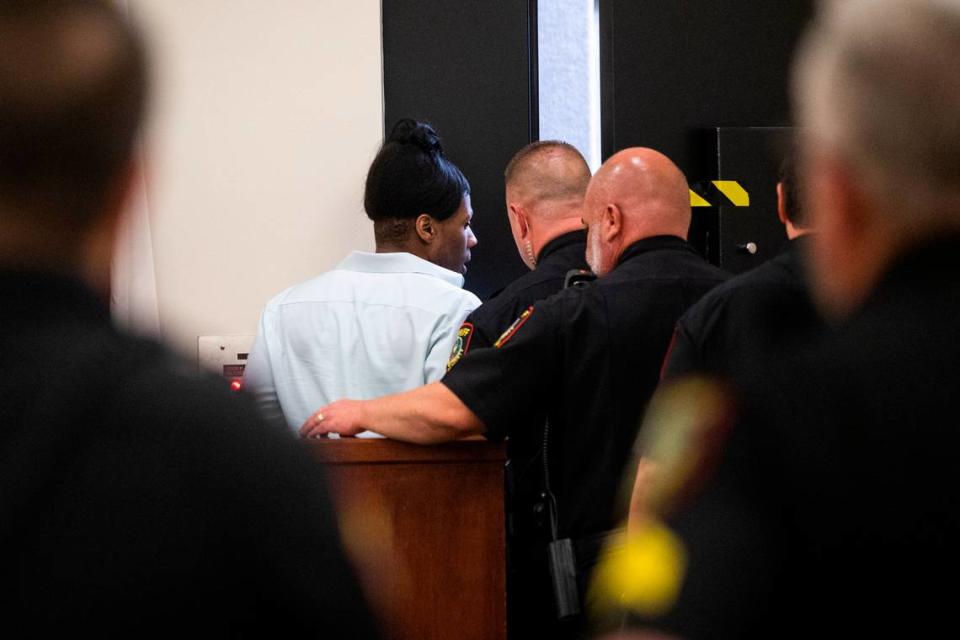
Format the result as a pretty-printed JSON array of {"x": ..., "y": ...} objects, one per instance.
[
  {"x": 566, "y": 383},
  {"x": 822, "y": 498},
  {"x": 382, "y": 322},
  {"x": 545, "y": 182},
  {"x": 135, "y": 498}
]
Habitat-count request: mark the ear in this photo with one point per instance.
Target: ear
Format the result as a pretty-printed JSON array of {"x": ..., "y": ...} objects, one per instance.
[
  {"x": 781, "y": 204},
  {"x": 611, "y": 222},
  {"x": 849, "y": 238},
  {"x": 523, "y": 221},
  {"x": 846, "y": 208},
  {"x": 426, "y": 227}
]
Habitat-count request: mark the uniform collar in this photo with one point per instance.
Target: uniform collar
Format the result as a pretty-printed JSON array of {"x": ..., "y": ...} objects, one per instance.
[
  {"x": 562, "y": 242},
  {"x": 397, "y": 262},
  {"x": 654, "y": 243}
]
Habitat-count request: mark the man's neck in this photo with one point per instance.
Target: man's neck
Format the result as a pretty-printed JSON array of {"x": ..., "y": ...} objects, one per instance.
[
  {"x": 794, "y": 232},
  {"x": 412, "y": 248},
  {"x": 552, "y": 231},
  {"x": 27, "y": 246}
]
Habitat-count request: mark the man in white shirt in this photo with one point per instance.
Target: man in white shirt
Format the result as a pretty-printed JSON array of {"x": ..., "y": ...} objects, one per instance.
[{"x": 378, "y": 323}]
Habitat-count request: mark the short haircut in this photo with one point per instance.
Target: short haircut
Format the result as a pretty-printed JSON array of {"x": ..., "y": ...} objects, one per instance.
[
  {"x": 73, "y": 85},
  {"x": 549, "y": 185},
  {"x": 410, "y": 176},
  {"x": 876, "y": 84},
  {"x": 792, "y": 197}
]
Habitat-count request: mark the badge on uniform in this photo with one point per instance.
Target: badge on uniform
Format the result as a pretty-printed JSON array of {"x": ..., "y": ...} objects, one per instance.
[
  {"x": 513, "y": 328},
  {"x": 461, "y": 345}
]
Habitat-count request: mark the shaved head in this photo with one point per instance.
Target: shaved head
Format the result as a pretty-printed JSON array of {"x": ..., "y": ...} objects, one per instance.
[
  {"x": 638, "y": 193},
  {"x": 545, "y": 185},
  {"x": 547, "y": 171}
]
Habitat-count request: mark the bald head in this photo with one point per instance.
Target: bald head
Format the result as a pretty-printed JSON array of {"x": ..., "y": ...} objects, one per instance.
[{"x": 638, "y": 193}]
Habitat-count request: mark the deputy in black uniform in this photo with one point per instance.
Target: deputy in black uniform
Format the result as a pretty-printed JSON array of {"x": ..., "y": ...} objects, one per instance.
[
  {"x": 136, "y": 499},
  {"x": 545, "y": 183},
  {"x": 586, "y": 359},
  {"x": 755, "y": 314},
  {"x": 832, "y": 505}
]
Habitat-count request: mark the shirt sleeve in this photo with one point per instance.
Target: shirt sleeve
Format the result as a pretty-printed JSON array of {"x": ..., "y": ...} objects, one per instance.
[
  {"x": 683, "y": 356},
  {"x": 444, "y": 339},
  {"x": 499, "y": 383},
  {"x": 258, "y": 375},
  {"x": 697, "y": 339},
  {"x": 482, "y": 326}
]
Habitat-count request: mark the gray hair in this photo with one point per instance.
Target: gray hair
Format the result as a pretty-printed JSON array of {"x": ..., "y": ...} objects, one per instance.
[{"x": 878, "y": 83}]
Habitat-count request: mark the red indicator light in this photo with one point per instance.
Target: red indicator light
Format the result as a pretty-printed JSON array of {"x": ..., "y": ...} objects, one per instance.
[{"x": 236, "y": 385}]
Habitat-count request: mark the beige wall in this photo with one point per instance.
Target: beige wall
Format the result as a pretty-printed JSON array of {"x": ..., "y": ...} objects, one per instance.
[{"x": 266, "y": 117}]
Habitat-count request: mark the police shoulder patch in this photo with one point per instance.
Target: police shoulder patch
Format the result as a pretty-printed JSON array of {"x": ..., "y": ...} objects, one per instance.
[
  {"x": 685, "y": 429},
  {"x": 461, "y": 345},
  {"x": 513, "y": 328}
]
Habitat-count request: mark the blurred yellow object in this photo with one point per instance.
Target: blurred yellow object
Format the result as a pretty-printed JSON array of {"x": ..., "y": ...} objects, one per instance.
[{"x": 640, "y": 572}]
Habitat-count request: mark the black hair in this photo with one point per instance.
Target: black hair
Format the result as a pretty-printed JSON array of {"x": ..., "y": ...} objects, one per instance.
[
  {"x": 411, "y": 175},
  {"x": 69, "y": 114},
  {"x": 792, "y": 200}
]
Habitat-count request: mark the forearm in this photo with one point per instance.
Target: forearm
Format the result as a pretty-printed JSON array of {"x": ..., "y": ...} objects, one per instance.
[
  {"x": 639, "y": 500},
  {"x": 429, "y": 415}
]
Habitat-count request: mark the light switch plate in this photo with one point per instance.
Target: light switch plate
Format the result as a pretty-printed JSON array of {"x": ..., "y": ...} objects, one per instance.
[{"x": 225, "y": 356}]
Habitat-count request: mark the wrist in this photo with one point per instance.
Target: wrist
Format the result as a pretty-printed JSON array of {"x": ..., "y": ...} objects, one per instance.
[{"x": 365, "y": 416}]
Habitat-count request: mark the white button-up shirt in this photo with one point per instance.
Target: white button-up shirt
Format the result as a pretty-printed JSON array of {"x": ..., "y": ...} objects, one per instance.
[{"x": 379, "y": 323}]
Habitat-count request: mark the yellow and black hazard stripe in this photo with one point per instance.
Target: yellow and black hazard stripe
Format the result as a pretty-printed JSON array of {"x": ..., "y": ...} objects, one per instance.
[{"x": 720, "y": 192}]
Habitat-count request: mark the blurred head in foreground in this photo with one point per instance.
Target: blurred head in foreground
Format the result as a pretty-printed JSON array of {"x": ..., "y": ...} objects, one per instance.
[
  {"x": 73, "y": 85},
  {"x": 877, "y": 90}
]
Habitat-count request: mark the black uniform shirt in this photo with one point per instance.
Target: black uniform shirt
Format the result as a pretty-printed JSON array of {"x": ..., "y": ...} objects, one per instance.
[
  {"x": 488, "y": 321},
  {"x": 140, "y": 499},
  {"x": 745, "y": 319},
  {"x": 835, "y": 504},
  {"x": 591, "y": 358}
]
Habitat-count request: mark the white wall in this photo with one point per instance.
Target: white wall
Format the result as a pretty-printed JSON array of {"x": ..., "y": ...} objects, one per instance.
[
  {"x": 568, "y": 51},
  {"x": 266, "y": 117}
]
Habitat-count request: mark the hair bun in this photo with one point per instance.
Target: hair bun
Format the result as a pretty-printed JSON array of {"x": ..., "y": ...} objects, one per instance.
[{"x": 409, "y": 131}]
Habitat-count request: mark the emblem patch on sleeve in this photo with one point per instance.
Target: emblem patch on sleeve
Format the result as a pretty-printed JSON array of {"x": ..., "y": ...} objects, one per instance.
[
  {"x": 461, "y": 345},
  {"x": 686, "y": 427},
  {"x": 513, "y": 328}
]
